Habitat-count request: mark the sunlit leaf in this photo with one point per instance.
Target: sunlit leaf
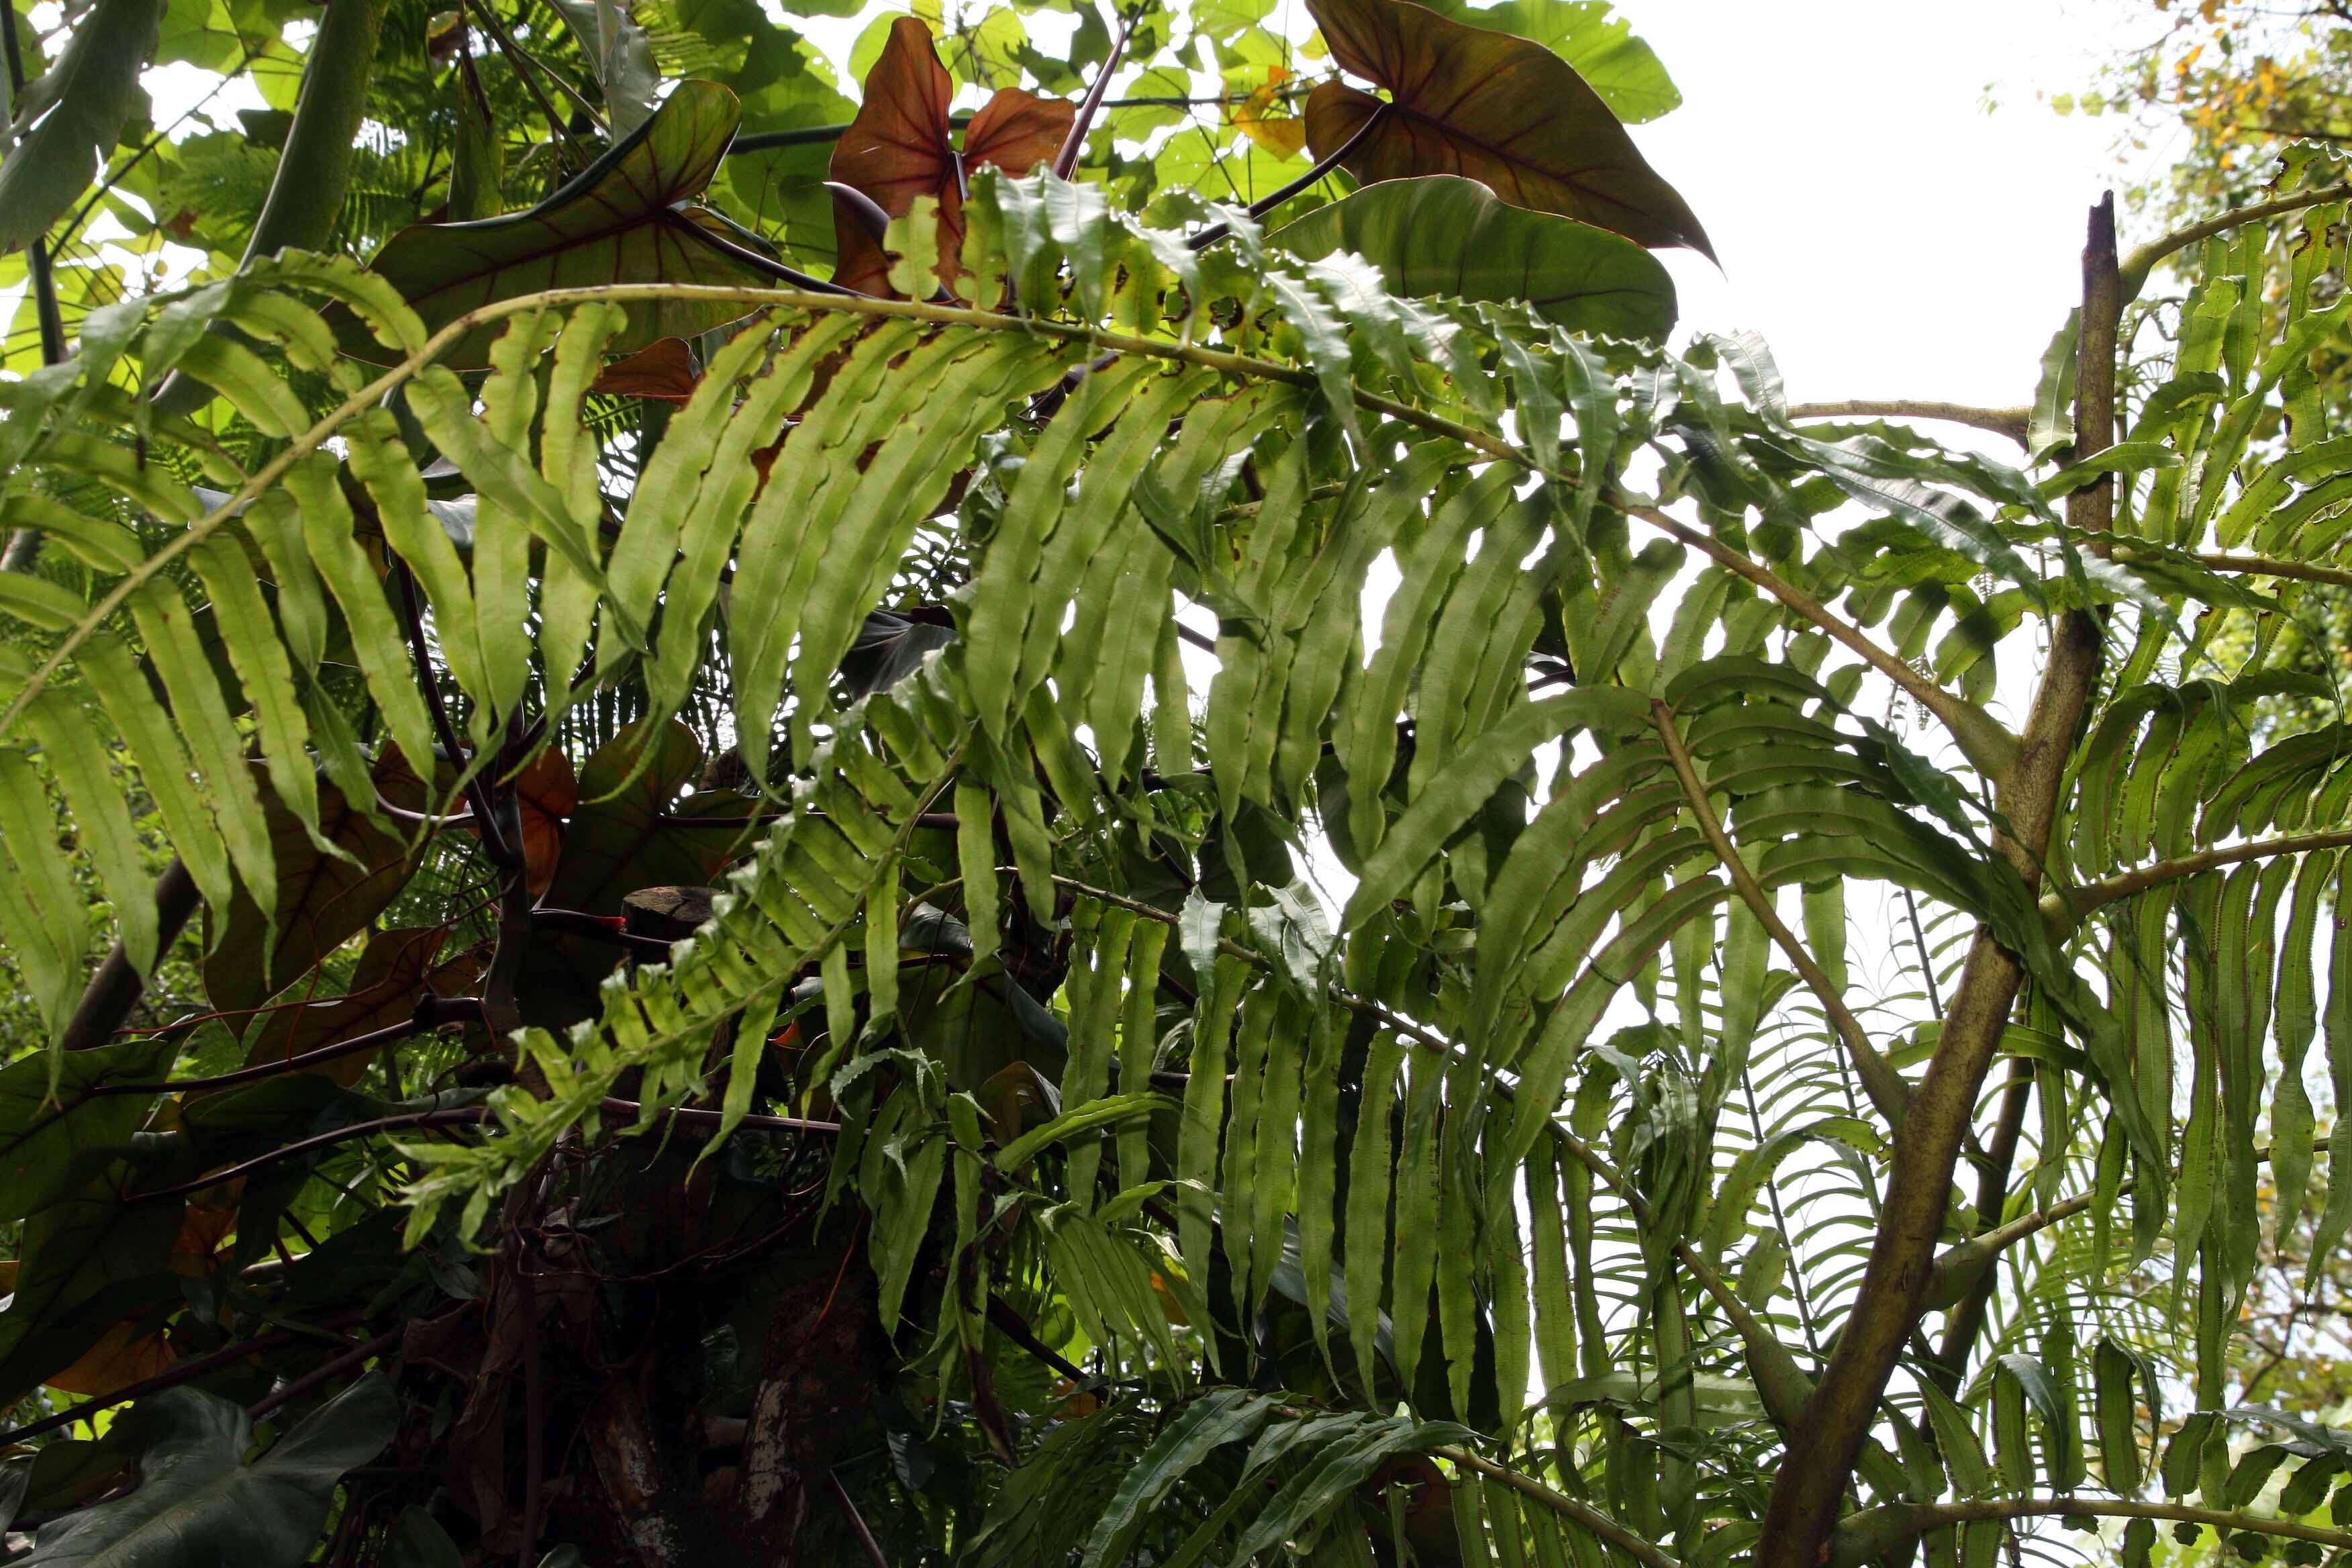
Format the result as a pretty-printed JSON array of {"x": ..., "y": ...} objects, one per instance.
[{"x": 1447, "y": 236}]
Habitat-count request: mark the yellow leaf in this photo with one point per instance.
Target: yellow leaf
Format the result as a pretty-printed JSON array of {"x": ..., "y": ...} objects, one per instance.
[{"x": 1283, "y": 138}]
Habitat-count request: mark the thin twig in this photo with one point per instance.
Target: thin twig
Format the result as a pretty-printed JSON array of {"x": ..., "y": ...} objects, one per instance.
[
  {"x": 2080, "y": 901},
  {"x": 2009, "y": 421},
  {"x": 1647, "y": 1553},
  {"x": 697, "y": 1117},
  {"x": 873, "y": 1547},
  {"x": 456, "y": 1116},
  {"x": 431, "y": 1013},
  {"x": 519, "y": 58},
  {"x": 171, "y": 1377},
  {"x": 277, "y": 1399}
]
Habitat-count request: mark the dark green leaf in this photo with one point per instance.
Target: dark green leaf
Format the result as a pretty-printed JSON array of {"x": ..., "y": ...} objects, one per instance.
[
  {"x": 198, "y": 1501},
  {"x": 619, "y": 221},
  {"x": 69, "y": 119},
  {"x": 1443, "y": 235}
]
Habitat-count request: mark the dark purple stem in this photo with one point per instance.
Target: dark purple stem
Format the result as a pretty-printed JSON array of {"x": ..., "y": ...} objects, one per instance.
[{"x": 1075, "y": 143}]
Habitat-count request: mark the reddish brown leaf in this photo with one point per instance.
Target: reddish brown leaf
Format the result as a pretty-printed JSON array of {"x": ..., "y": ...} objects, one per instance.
[
  {"x": 120, "y": 1358},
  {"x": 663, "y": 371},
  {"x": 1499, "y": 109},
  {"x": 1016, "y": 130},
  {"x": 546, "y": 793},
  {"x": 899, "y": 148},
  {"x": 395, "y": 969}
]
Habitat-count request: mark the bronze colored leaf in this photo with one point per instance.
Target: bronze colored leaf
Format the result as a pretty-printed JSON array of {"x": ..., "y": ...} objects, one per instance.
[
  {"x": 545, "y": 794},
  {"x": 1503, "y": 111},
  {"x": 122, "y": 1357},
  {"x": 899, "y": 148},
  {"x": 663, "y": 371}
]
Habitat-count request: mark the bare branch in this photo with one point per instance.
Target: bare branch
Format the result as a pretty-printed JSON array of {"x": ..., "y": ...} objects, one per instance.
[{"x": 2006, "y": 422}]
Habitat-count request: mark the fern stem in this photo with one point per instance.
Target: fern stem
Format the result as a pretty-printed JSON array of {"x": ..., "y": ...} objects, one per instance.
[
  {"x": 1887, "y": 1090},
  {"x": 1986, "y": 744}
]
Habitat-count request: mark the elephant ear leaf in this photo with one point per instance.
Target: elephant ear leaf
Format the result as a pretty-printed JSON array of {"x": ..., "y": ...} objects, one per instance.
[
  {"x": 619, "y": 221},
  {"x": 1505, "y": 111},
  {"x": 71, "y": 115},
  {"x": 897, "y": 150},
  {"x": 198, "y": 1501},
  {"x": 1442, "y": 234}
]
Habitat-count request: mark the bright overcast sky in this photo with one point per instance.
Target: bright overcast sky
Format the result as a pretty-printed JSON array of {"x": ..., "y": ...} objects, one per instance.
[{"x": 1887, "y": 233}]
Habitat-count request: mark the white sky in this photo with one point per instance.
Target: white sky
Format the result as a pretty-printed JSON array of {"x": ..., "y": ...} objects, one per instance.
[{"x": 1887, "y": 234}]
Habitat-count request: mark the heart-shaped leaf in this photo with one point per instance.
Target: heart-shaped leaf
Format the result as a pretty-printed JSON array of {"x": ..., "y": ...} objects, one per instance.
[
  {"x": 1502, "y": 111},
  {"x": 643, "y": 836},
  {"x": 1443, "y": 235},
  {"x": 620, "y": 221},
  {"x": 198, "y": 1498},
  {"x": 899, "y": 148},
  {"x": 623, "y": 838},
  {"x": 545, "y": 792}
]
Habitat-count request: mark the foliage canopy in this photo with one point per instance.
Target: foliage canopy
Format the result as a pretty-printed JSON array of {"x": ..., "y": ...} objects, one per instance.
[{"x": 744, "y": 766}]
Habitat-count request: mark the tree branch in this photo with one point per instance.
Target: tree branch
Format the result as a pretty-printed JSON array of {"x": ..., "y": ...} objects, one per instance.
[
  {"x": 117, "y": 986},
  {"x": 1967, "y": 1320},
  {"x": 2142, "y": 261},
  {"x": 2072, "y": 904},
  {"x": 2006, "y": 422},
  {"x": 1820, "y": 1458},
  {"x": 1962, "y": 1266},
  {"x": 1886, "y": 1087}
]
